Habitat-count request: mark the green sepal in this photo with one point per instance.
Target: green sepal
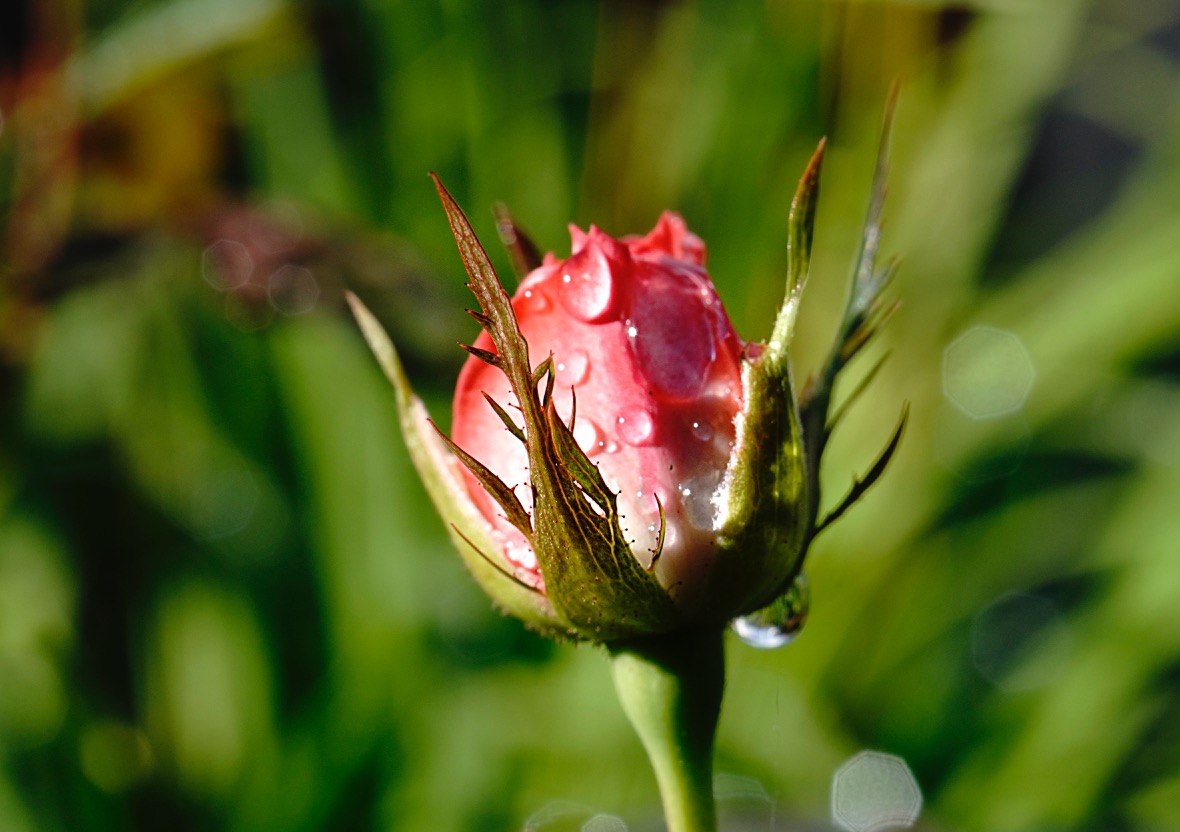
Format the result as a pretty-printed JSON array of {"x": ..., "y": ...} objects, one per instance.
[
  {"x": 604, "y": 590},
  {"x": 772, "y": 502},
  {"x": 468, "y": 530},
  {"x": 768, "y": 512},
  {"x": 592, "y": 578}
]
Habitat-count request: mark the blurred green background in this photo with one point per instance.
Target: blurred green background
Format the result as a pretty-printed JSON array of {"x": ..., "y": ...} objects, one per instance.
[{"x": 225, "y": 602}]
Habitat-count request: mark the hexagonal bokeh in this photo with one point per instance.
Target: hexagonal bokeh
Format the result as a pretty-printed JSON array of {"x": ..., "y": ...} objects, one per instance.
[
  {"x": 743, "y": 803},
  {"x": 293, "y": 290},
  {"x": 563, "y": 814},
  {"x": 226, "y": 264},
  {"x": 604, "y": 823},
  {"x": 874, "y": 791},
  {"x": 987, "y": 372}
]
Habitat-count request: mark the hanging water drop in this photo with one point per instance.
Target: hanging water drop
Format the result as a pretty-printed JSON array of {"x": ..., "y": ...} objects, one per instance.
[{"x": 779, "y": 623}]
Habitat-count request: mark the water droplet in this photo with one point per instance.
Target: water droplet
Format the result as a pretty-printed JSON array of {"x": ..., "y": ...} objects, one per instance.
[
  {"x": 586, "y": 289},
  {"x": 673, "y": 337},
  {"x": 636, "y": 426},
  {"x": 702, "y": 431},
  {"x": 588, "y": 436},
  {"x": 572, "y": 369},
  {"x": 533, "y": 300},
  {"x": 779, "y": 623},
  {"x": 697, "y": 500}
]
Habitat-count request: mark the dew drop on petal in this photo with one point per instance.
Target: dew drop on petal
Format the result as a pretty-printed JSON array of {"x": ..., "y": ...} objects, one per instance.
[
  {"x": 674, "y": 348},
  {"x": 702, "y": 431},
  {"x": 636, "y": 426},
  {"x": 572, "y": 369},
  {"x": 779, "y": 623},
  {"x": 586, "y": 288},
  {"x": 533, "y": 300},
  {"x": 588, "y": 436}
]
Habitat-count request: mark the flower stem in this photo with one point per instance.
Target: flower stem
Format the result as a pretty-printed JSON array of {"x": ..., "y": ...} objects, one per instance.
[{"x": 670, "y": 687}]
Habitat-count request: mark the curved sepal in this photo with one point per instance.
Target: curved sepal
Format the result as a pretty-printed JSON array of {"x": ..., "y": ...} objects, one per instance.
[
  {"x": 768, "y": 514},
  {"x": 472, "y": 535},
  {"x": 767, "y": 510},
  {"x": 592, "y": 578}
]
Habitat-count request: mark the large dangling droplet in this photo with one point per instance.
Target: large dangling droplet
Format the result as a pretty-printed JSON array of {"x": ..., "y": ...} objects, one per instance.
[{"x": 779, "y": 623}]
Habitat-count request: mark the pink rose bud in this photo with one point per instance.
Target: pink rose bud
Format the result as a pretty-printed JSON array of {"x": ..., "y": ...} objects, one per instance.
[
  {"x": 621, "y": 464},
  {"x": 639, "y": 338}
]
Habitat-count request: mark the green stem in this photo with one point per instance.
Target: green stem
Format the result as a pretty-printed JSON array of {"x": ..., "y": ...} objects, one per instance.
[{"x": 670, "y": 688}]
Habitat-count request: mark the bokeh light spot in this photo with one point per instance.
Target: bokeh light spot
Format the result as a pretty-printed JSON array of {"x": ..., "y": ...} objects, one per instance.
[
  {"x": 293, "y": 290},
  {"x": 604, "y": 823},
  {"x": 874, "y": 791},
  {"x": 226, "y": 264},
  {"x": 987, "y": 372},
  {"x": 743, "y": 803},
  {"x": 553, "y": 812}
]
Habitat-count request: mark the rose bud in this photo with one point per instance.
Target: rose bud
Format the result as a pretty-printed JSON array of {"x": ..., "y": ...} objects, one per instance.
[{"x": 621, "y": 464}]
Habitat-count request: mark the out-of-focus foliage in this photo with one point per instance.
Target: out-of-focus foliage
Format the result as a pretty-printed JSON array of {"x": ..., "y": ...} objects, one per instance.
[{"x": 224, "y": 600}]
